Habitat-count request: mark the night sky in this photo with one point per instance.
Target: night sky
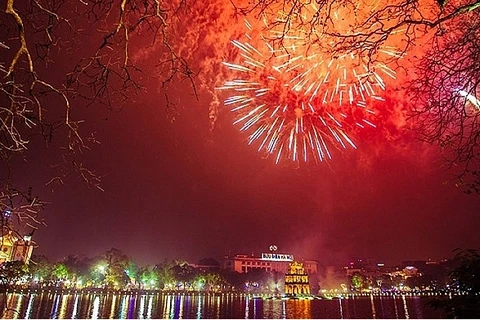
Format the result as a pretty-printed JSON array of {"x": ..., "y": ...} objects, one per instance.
[{"x": 179, "y": 189}]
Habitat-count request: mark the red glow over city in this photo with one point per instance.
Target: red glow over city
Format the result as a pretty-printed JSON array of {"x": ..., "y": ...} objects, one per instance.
[
  {"x": 296, "y": 93},
  {"x": 298, "y": 149}
]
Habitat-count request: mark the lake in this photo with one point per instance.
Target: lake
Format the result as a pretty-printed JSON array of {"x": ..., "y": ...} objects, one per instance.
[{"x": 48, "y": 304}]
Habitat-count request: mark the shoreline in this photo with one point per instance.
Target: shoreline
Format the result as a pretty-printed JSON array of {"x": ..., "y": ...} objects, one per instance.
[{"x": 264, "y": 296}]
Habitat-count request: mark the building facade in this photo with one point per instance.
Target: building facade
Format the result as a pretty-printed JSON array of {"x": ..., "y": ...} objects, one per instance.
[
  {"x": 296, "y": 280},
  {"x": 13, "y": 248},
  {"x": 272, "y": 262}
]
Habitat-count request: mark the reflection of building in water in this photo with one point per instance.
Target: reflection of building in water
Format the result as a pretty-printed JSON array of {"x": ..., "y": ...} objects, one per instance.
[
  {"x": 296, "y": 280},
  {"x": 13, "y": 248},
  {"x": 277, "y": 262},
  {"x": 298, "y": 309}
]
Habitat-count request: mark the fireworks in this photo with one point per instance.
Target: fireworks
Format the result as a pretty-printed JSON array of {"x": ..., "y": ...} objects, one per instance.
[
  {"x": 470, "y": 98},
  {"x": 296, "y": 93}
]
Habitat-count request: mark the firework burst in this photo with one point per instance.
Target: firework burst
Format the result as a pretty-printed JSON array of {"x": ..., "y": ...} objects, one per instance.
[
  {"x": 295, "y": 94},
  {"x": 473, "y": 101}
]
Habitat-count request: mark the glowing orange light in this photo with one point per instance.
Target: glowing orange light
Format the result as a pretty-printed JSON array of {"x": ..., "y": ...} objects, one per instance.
[{"x": 296, "y": 93}]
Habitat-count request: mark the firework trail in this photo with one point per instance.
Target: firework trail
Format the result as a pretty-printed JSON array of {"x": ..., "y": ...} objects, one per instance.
[
  {"x": 470, "y": 98},
  {"x": 295, "y": 93}
]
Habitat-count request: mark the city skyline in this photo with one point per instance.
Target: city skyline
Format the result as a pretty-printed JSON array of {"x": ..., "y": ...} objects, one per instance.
[
  {"x": 179, "y": 178},
  {"x": 198, "y": 192},
  {"x": 391, "y": 200}
]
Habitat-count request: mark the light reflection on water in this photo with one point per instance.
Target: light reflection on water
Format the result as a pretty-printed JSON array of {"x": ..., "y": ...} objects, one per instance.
[
  {"x": 75, "y": 308},
  {"x": 374, "y": 313},
  {"x": 405, "y": 308},
  {"x": 29, "y": 307},
  {"x": 200, "y": 306}
]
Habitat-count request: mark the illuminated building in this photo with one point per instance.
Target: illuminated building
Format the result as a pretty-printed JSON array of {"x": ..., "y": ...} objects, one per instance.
[
  {"x": 273, "y": 262},
  {"x": 13, "y": 248},
  {"x": 296, "y": 280}
]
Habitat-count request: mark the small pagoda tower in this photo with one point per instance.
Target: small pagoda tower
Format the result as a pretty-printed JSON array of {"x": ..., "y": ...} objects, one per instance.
[{"x": 296, "y": 280}]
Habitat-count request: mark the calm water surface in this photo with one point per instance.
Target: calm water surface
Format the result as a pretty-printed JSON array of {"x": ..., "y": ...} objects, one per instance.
[{"x": 135, "y": 306}]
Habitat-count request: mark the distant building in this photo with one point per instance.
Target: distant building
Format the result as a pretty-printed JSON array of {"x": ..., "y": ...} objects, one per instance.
[
  {"x": 278, "y": 262},
  {"x": 419, "y": 264},
  {"x": 243, "y": 263},
  {"x": 207, "y": 265},
  {"x": 352, "y": 271},
  {"x": 13, "y": 248},
  {"x": 296, "y": 280}
]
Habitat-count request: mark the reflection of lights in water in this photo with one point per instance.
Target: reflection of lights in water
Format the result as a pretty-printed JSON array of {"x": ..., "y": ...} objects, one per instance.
[
  {"x": 180, "y": 311},
  {"x": 96, "y": 307},
  {"x": 113, "y": 307},
  {"x": 395, "y": 305},
  {"x": 18, "y": 298},
  {"x": 417, "y": 306},
  {"x": 63, "y": 307},
  {"x": 123, "y": 308},
  {"x": 211, "y": 302},
  {"x": 258, "y": 308},
  {"x": 273, "y": 309},
  {"x": 56, "y": 301},
  {"x": 207, "y": 306},
  {"x": 149, "y": 308},
  {"x": 177, "y": 307},
  {"x": 75, "y": 308},
  {"x": 167, "y": 306},
  {"x": 141, "y": 308},
  {"x": 28, "y": 312},
  {"x": 302, "y": 309},
  {"x": 374, "y": 313},
  {"x": 341, "y": 308},
  {"x": 199, "y": 307},
  {"x": 381, "y": 305},
  {"x": 218, "y": 307},
  {"x": 405, "y": 307},
  {"x": 131, "y": 307}
]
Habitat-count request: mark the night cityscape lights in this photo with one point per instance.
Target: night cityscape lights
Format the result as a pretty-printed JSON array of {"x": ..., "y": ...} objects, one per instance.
[
  {"x": 253, "y": 159},
  {"x": 268, "y": 273}
]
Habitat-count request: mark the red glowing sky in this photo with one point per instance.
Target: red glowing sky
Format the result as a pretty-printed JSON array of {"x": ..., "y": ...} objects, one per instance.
[{"x": 183, "y": 189}]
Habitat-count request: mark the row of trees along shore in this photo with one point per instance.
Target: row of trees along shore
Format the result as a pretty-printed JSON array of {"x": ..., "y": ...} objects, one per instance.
[{"x": 115, "y": 271}]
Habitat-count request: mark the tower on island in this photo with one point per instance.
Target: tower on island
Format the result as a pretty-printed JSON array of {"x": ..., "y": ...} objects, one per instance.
[{"x": 296, "y": 280}]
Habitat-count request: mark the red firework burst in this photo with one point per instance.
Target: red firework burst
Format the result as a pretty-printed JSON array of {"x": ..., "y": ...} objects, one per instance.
[{"x": 294, "y": 94}]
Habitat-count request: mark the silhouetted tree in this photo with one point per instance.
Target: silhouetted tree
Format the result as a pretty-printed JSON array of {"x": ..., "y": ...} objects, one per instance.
[
  {"x": 165, "y": 274},
  {"x": 11, "y": 271},
  {"x": 210, "y": 262},
  {"x": 184, "y": 273},
  {"x": 116, "y": 268},
  {"x": 444, "y": 94},
  {"x": 465, "y": 278},
  {"x": 447, "y": 96},
  {"x": 57, "y": 57},
  {"x": 41, "y": 269}
]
